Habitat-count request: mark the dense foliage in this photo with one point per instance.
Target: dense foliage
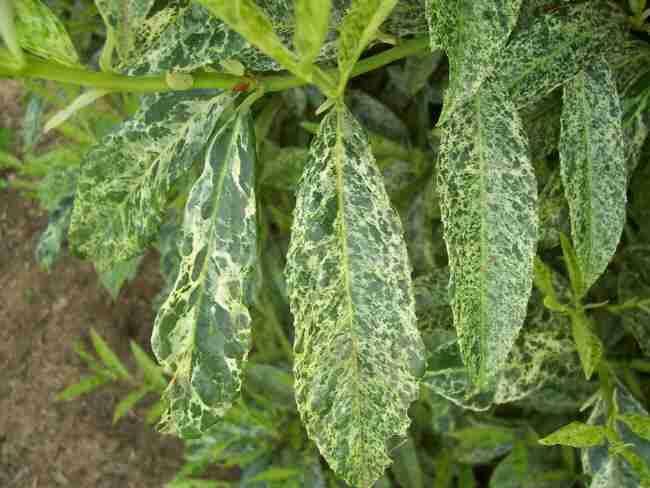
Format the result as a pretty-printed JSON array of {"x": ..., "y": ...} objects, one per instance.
[{"x": 419, "y": 256}]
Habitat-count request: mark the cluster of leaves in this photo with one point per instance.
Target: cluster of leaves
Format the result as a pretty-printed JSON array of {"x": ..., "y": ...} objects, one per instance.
[{"x": 419, "y": 283}]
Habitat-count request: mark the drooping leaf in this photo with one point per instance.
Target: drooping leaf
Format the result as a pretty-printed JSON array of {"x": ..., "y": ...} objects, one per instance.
[
  {"x": 553, "y": 49},
  {"x": 202, "y": 331},
  {"x": 351, "y": 296},
  {"x": 482, "y": 443},
  {"x": 127, "y": 179},
  {"x": 121, "y": 17},
  {"x": 312, "y": 25},
  {"x": 593, "y": 167},
  {"x": 117, "y": 275},
  {"x": 478, "y": 33},
  {"x": 590, "y": 348},
  {"x": 576, "y": 434},
  {"x": 406, "y": 468},
  {"x": 488, "y": 199},
  {"x": 359, "y": 27},
  {"x": 33, "y": 122},
  {"x": 42, "y": 33}
]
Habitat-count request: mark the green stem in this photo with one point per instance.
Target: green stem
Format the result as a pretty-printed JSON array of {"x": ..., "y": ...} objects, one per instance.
[{"x": 37, "y": 68}]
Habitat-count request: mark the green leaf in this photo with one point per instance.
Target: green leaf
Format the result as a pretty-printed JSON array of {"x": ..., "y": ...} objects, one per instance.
[
  {"x": 477, "y": 38},
  {"x": 488, "y": 198},
  {"x": 357, "y": 349},
  {"x": 42, "y": 33},
  {"x": 590, "y": 348},
  {"x": 13, "y": 58},
  {"x": 121, "y": 18},
  {"x": 576, "y": 434},
  {"x": 51, "y": 240},
  {"x": 593, "y": 167},
  {"x": 275, "y": 474},
  {"x": 482, "y": 444},
  {"x": 312, "y": 25},
  {"x": 554, "y": 48},
  {"x": 126, "y": 404},
  {"x": 359, "y": 27},
  {"x": 127, "y": 180},
  {"x": 543, "y": 279},
  {"x": 639, "y": 424},
  {"x": 120, "y": 273},
  {"x": 406, "y": 468},
  {"x": 153, "y": 373},
  {"x": 108, "y": 357},
  {"x": 86, "y": 385},
  {"x": 573, "y": 268},
  {"x": 202, "y": 331}
]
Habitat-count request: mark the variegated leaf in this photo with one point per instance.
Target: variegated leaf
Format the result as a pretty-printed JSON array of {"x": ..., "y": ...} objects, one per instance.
[
  {"x": 553, "y": 49},
  {"x": 593, "y": 167},
  {"x": 121, "y": 17},
  {"x": 359, "y": 28},
  {"x": 357, "y": 350},
  {"x": 51, "y": 240},
  {"x": 489, "y": 210},
  {"x": 202, "y": 332},
  {"x": 127, "y": 179},
  {"x": 41, "y": 32},
  {"x": 312, "y": 26},
  {"x": 479, "y": 31}
]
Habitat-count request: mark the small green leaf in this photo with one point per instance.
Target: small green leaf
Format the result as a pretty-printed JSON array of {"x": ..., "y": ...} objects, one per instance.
[
  {"x": 86, "y": 385},
  {"x": 127, "y": 180},
  {"x": 573, "y": 268},
  {"x": 357, "y": 348},
  {"x": 153, "y": 373},
  {"x": 42, "y": 33},
  {"x": 312, "y": 25},
  {"x": 590, "y": 348},
  {"x": 202, "y": 333},
  {"x": 108, "y": 357},
  {"x": 126, "y": 404},
  {"x": 120, "y": 273},
  {"x": 275, "y": 474},
  {"x": 482, "y": 444},
  {"x": 406, "y": 467},
  {"x": 488, "y": 198},
  {"x": 544, "y": 282},
  {"x": 51, "y": 240},
  {"x": 359, "y": 27},
  {"x": 593, "y": 167},
  {"x": 576, "y": 434},
  {"x": 639, "y": 424}
]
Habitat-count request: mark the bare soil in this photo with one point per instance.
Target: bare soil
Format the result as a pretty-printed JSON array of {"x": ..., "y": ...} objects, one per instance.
[{"x": 44, "y": 443}]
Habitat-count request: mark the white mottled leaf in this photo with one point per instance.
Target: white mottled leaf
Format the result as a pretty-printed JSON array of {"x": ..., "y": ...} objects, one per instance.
[
  {"x": 593, "y": 167},
  {"x": 128, "y": 177},
  {"x": 202, "y": 332},
  {"x": 359, "y": 28},
  {"x": 488, "y": 200},
  {"x": 40, "y": 32},
  {"x": 478, "y": 34},
  {"x": 51, "y": 240},
  {"x": 357, "y": 347}
]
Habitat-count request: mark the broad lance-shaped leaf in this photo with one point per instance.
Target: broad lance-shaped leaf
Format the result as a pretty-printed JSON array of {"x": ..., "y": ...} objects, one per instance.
[
  {"x": 202, "y": 332},
  {"x": 51, "y": 240},
  {"x": 359, "y": 28},
  {"x": 593, "y": 167},
  {"x": 480, "y": 31},
  {"x": 127, "y": 179},
  {"x": 41, "y": 32},
  {"x": 488, "y": 201},
  {"x": 358, "y": 352}
]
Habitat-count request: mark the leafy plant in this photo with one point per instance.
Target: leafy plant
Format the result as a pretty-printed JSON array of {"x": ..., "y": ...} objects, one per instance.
[{"x": 417, "y": 280}]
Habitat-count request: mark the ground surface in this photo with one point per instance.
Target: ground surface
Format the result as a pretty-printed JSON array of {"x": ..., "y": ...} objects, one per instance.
[{"x": 44, "y": 443}]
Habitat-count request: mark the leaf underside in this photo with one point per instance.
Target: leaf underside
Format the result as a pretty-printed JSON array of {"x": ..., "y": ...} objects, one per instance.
[
  {"x": 202, "y": 331},
  {"x": 357, "y": 348},
  {"x": 489, "y": 211}
]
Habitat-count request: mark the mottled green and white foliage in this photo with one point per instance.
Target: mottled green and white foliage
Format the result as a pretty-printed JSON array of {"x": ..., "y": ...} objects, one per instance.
[
  {"x": 202, "y": 332},
  {"x": 553, "y": 49},
  {"x": 488, "y": 198},
  {"x": 51, "y": 240},
  {"x": 359, "y": 27},
  {"x": 127, "y": 179},
  {"x": 121, "y": 18},
  {"x": 477, "y": 32},
  {"x": 357, "y": 349},
  {"x": 593, "y": 167},
  {"x": 40, "y": 32}
]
